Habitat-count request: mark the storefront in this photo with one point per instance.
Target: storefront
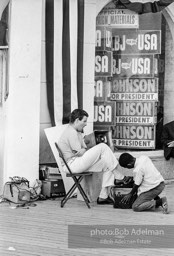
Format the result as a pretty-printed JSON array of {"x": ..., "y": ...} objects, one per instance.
[
  {"x": 130, "y": 76},
  {"x": 127, "y": 80}
]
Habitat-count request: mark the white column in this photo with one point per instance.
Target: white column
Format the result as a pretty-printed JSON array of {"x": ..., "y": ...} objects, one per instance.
[
  {"x": 23, "y": 103},
  {"x": 89, "y": 61}
]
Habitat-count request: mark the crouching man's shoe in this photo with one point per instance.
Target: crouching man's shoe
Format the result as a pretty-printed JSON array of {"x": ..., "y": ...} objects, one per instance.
[
  {"x": 108, "y": 200},
  {"x": 164, "y": 205}
]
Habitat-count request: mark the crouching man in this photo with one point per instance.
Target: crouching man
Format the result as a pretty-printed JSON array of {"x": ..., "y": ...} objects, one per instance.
[{"x": 148, "y": 183}]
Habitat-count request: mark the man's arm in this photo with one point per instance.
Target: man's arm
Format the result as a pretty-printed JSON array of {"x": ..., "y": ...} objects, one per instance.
[
  {"x": 127, "y": 197},
  {"x": 134, "y": 189}
]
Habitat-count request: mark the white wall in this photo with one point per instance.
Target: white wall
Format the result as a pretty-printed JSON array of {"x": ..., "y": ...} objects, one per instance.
[{"x": 23, "y": 104}]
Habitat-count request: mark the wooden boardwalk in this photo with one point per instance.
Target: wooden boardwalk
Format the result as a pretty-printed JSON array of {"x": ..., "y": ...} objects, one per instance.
[{"x": 43, "y": 230}]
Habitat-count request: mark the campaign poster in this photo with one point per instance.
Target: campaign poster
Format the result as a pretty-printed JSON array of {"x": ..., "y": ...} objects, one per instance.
[
  {"x": 118, "y": 18},
  {"x": 104, "y": 114},
  {"x": 132, "y": 65},
  {"x": 102, "y": 89},
  {"x": 103, "y": 63},
  {"x": 134, "y": 136},
  {"x": 103, "y": 39},
  {"x": 136, "y": 41},
  {"x": 144, "y": 89},
  {"x": 137, "y": 112}
]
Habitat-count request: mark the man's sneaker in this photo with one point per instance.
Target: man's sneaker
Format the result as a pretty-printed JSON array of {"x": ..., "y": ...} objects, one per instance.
[{"x": 165, "y": 205}]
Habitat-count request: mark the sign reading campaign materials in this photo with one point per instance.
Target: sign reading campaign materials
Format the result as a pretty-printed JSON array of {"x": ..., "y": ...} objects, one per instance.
[{"x": 118, "y": 18}]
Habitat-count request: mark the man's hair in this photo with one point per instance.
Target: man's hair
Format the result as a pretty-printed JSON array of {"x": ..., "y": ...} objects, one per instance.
[
  {"x": 125, "y": 159},
  {"x": 77, "y": 113}
]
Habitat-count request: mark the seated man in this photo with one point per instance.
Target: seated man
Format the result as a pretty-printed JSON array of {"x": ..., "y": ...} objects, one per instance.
[
  {"x": 148, "y": 183},
  {"x": 167, "y": 140},
  {"x": 99, "y": 158}
]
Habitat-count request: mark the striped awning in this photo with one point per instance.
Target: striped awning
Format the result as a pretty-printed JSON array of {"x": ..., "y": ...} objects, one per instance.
[{"x": 145, "y": 6}]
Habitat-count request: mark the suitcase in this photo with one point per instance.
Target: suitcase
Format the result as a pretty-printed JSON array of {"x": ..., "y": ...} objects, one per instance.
[{"x": 53, "y": 188}]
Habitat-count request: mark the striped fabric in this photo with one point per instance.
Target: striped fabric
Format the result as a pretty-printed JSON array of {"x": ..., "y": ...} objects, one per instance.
[
  {"x": 145, "y": 6},
  {"x": 3, "y": 4},
  {"x": 64, "y": 57}
]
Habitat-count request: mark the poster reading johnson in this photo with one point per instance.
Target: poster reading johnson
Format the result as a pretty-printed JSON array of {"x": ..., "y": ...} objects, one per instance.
[
  {"x": 132, "y": 89},
  {"x": 135, "y": 112},
  {"x": 134, "y": 136}
]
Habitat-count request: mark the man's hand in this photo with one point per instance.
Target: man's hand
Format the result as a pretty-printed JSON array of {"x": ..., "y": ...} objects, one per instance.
[
  {"x": 80, "y": 152},
  {"x": 126, "y": 198},
  {"x": 170, "y": 144}
]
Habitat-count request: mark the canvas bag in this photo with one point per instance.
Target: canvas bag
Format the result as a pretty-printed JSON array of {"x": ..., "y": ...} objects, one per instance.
[{"x": 17, "y": 190}]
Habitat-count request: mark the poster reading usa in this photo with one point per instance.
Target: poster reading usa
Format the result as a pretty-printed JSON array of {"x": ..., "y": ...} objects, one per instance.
[{"x": 127, "y": 74}]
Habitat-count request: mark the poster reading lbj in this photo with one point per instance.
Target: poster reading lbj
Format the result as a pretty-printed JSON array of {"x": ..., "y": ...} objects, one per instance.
[
  {"x": 132, "y": 65},
  {"x": 136, "y": 41}
]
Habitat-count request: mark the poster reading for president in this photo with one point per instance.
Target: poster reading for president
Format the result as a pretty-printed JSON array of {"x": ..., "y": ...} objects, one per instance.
[
  {"x": 134, "y": 136},
  {"x": 141, "y": 89},
  {"x": 137, "y": 112}
]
